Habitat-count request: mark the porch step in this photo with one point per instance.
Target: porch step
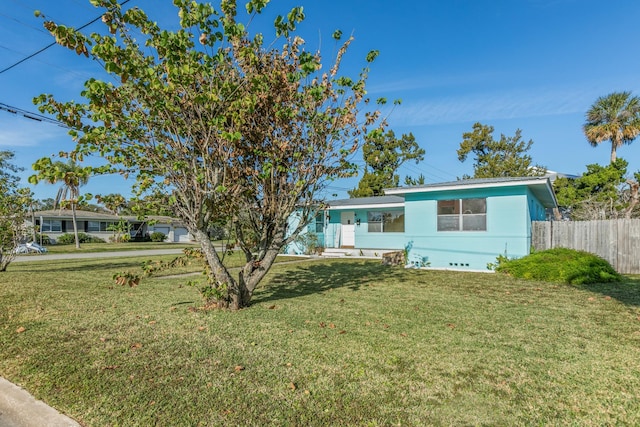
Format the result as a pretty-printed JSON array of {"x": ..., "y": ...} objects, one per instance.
[
  {"x": 336, "y": 253},
  {"x": 350, "y": 252}
]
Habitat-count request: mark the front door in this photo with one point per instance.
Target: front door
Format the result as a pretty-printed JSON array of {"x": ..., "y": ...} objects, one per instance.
[{"x": 347, "y": 219}]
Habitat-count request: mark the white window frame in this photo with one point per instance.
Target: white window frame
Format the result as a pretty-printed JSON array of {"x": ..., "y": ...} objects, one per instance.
[
  {"x": 51, "y": 226},
  {"x": 460, "y": 214},
  {"x": 383, "y": 215}
]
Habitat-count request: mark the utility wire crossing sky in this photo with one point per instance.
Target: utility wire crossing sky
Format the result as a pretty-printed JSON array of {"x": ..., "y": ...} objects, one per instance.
[{"x": 536, "y": 65}]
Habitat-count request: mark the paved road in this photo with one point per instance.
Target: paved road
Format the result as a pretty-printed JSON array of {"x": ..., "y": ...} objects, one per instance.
[{"x": 85, "y": 255}]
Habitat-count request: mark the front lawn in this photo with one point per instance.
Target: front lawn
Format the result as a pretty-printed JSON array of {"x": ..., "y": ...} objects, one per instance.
[
  {"x": 115, "y": 247},
  {"x": 331, "y": 342}
]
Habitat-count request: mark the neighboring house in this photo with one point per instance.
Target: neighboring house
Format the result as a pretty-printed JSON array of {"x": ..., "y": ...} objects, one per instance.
[
  {"x": 553, "y": 175},
  {"x": 462, "y": 224},
  {"x": 56, "y": 222}
]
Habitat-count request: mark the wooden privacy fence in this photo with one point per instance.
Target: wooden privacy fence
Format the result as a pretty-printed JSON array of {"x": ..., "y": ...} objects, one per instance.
[{"x": 616, "y": 240}]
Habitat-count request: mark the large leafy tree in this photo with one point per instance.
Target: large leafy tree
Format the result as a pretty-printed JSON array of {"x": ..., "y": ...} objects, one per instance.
[
  {"x": 14, "y": 206},
  {"x": 114, "y": 202},
  {"x": 614, "y": 118},
  {"x": 71, "y": 176},
  {"x": 602, "y": 192},
  {"x": 493, "y": 159},
  {"x": 383, "y": 155},
  {"x": 229, "y": 128}
]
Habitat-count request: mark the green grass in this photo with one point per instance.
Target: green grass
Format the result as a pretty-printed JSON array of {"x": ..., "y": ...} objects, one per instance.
[
  {"x": 339, "y": 342},
  {"x": 113, "y": 247}
]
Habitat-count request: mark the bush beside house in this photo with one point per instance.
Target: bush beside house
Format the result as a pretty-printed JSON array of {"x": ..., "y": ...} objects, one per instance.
[{"x": 561, "y": 265}]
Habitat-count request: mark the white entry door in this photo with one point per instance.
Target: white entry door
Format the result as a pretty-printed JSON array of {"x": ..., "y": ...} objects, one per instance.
[{"x": 347, "y": 219}]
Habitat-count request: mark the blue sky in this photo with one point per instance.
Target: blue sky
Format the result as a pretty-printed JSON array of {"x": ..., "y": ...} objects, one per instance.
[{"x": 537, "y": 65}]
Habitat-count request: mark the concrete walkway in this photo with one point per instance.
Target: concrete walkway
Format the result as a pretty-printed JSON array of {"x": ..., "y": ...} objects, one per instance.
[{"x": 19, "y": 409}]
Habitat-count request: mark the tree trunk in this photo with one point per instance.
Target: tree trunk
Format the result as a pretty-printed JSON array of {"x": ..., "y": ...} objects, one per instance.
[
  {"x": 634, "y": 186},
  {"x": 75, "y": 224},
  {"x": 238, "y": 292},
  {"x": 253, "y": 272},
  {"x": 242, "y": 298},
  {"x": 219, "y": 271},
  {"x": 5, "y": 260},
  {"x": 613, "y": 152}
]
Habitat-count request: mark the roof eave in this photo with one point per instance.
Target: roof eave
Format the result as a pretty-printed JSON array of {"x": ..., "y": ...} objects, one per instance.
[
  {"x": 549, "y": 201},
  {"x": 366, "y": 206}
]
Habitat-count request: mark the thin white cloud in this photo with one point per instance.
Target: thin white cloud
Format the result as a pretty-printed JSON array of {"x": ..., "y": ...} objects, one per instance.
[
  {"x": 16, "y": 131},
  {"x": 424, "y": 82},
  {"x": 492, "y": 106}
]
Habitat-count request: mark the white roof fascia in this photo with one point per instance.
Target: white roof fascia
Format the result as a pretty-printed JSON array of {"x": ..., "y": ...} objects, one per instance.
[
  {"x": 369, "y": 206},
  {"x": 400, "y": 190}
]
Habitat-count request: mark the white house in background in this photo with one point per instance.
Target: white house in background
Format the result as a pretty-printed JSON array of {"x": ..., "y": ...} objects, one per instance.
[{"x": 56, "y": 222}]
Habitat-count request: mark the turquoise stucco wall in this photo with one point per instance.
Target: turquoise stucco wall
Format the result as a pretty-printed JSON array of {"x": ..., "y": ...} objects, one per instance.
[
  {"x": 363, "y": 239},
  {"x": 510, "y": 211},
  {"x": 297, "y": 247},
  {"x": 509, "y": 214}
]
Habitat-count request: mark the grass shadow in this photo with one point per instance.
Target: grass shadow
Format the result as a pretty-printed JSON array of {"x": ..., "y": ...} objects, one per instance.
[
  {"x": 294, "y": 282},
  {"x": 627, "y": 291}
]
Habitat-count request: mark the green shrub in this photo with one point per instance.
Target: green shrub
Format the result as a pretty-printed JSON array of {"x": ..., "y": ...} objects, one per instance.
[
  {"x": 309, "y": 243},
  {"x": 44, "y": 239},
  {"x": 157, "y": 236},
  {"x": 561, "y": 265},
  {"x": 68, "y": 238}
]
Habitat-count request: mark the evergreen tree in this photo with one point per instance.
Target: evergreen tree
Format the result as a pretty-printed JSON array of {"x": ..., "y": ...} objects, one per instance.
[
  {"x": 602, "y": 192},
  {"x": 502, "y": 158},
  {"x": 383, "y": 155}
]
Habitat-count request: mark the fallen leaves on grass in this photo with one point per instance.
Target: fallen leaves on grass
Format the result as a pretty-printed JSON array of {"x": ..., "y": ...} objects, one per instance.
[
  {"x": 20, "y": 330},
  {"x": 238, "y": 368},
  {"x": 110, "y": 367}
]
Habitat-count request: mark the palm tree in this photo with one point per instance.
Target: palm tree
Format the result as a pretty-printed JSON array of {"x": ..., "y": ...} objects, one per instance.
[
  {"x": 71, "y": 176},
  {"x": 615, "y": 118}
]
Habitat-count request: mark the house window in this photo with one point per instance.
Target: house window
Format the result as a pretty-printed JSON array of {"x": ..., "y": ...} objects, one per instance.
[
  {"x": 320, "y": 223},
  {"x": 97, "y": 226},
  {"x": 462, "y": 215},
  {"x": 385, "y": 221},
  {"x": 51, "y": 226}
]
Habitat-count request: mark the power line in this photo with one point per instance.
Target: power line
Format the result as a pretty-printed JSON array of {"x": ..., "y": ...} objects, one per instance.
[
  {"x": 54, "y": 43},
  {"x": 50, "y": 64},
  {"x": 30, "y": 115},
  {"x": 23, "y": 23}
]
